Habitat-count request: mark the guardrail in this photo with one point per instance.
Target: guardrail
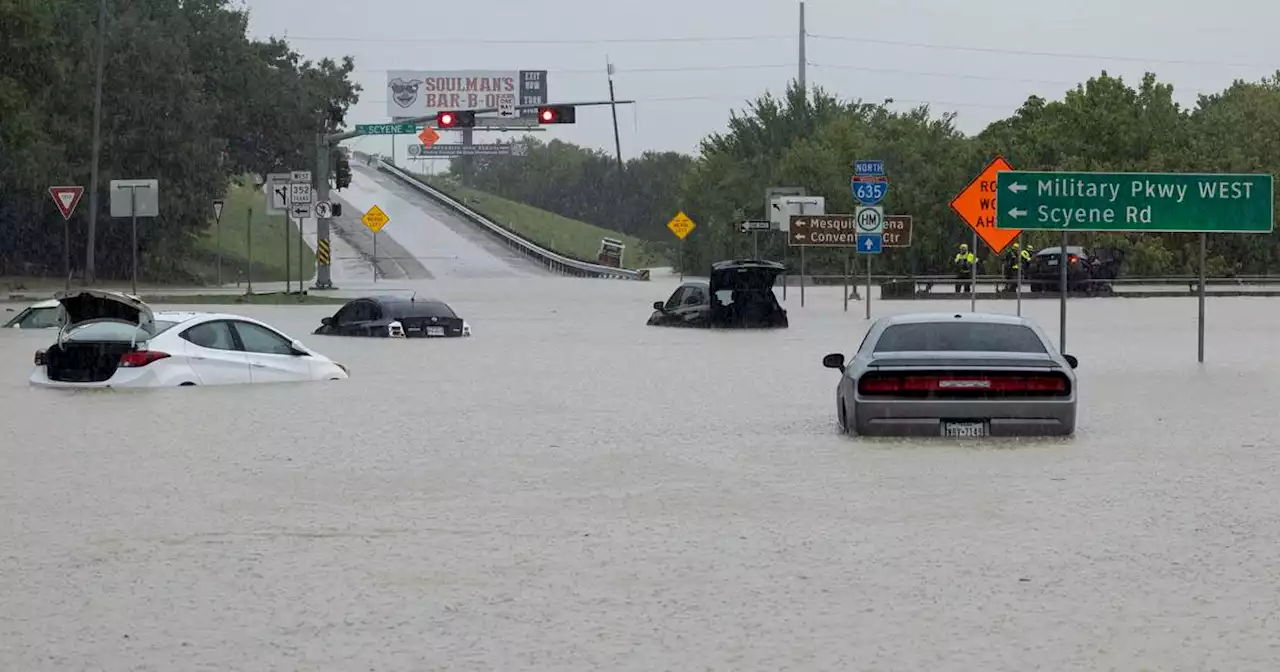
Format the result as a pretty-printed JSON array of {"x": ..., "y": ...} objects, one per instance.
[{"x": 552, "y": 260}]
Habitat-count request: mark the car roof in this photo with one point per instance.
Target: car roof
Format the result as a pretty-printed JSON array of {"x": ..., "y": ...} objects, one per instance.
[
  {"x": 1071, "y": 249},
  {"x": 390, "y": 299},
  {"x": 50, "y": 303},
  {"x": 984, "y": 318}
]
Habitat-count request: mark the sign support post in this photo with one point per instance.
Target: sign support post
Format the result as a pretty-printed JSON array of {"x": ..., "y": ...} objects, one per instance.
[
  {"x": 868, "y": 287},
  {"x": 973, "y": 277},
  {"x": 802, "y": 277},
  {"x": 1018, "y": 288},
  {"x": 287, "y": 283},
  {"x": 133, "y": 208},
  {"x": 1204, "y": 244},
  {"x": 1062, "y": 296},
  {"x": 248, "y": 238},
  {"x": 848, "y": 271},
  {"x": 217, "y": 218},
  {"x": 681, "y": 226},
  {"x": 66, "y": 198}
]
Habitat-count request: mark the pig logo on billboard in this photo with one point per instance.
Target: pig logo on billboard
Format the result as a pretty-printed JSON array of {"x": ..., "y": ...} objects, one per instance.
[{"x": 404, "y": 92}]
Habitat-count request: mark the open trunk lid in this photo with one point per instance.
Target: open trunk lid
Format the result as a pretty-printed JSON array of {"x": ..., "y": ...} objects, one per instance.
[{"x": 82, "y": 305}]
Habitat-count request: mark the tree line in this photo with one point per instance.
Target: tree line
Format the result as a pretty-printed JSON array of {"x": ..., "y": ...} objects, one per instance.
[
  {"x": 811, "y": 140},
  {"x": 187, "y": 99}
]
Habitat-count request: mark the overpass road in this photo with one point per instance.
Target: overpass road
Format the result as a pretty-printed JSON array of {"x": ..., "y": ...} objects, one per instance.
[{"x": 435, "y": 238}]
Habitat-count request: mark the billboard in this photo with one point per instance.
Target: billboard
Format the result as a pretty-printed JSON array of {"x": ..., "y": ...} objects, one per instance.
[{"x": 422, "y": 93}]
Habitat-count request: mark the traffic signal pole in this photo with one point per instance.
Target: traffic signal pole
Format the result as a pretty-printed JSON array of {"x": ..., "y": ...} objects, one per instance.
[{"x": 326, "y": 143}]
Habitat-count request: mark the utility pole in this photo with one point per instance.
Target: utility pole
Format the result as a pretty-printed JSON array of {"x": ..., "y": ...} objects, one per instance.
[
  {"x": 803, "y": 60},
  {"x": 97, "y": 145},
  {"x": 617, "y": 143}
]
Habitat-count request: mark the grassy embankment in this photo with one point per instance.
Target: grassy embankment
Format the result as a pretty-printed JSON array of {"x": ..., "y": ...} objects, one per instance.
[
  {"x": 569, "y": 237},
  {"x": 268, "y": 233}
]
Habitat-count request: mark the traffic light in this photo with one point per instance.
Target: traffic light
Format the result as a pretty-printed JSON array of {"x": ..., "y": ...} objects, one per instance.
[
  {"x": 336, "y": 210},
  {"x": 341, "y": 169},
  {"x": 456, "y": 119},
  {"x": 557, "y": 114}
]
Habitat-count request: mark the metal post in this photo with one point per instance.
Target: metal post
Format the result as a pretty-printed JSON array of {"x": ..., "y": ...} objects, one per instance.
[
  {"x": 755, "y": 242},
  {"x": 248, "y": 267},
  {"x": 321, "y": 178},
  {"x": 133, "y": 211},
  {"x": 802, "y": 276},
  {"x": 218, "y": 238},
  {"x": 786, "y": 263},
  {"x": 301, "y": 257},
  {"x": 1204, "y": 244},
  {"x": 393, "y": 149},
  {"x": 66, "y": 250},
  {"x": 682, "y": 260},
  {"x": 868, "y": 287},
  {"x": 92, "y": 232},
  {"x": 848, "y": 271},
  {"x": 800, "y": 79},
  {"x": 973, "y": 276},
  {"x": 617, "y": 142},
  {"x": 287, "y": 220},
  {"x": 375, "y": 256},
  {"x": 1062, "y": 296},
  {"x": 1018, "y": 289}
]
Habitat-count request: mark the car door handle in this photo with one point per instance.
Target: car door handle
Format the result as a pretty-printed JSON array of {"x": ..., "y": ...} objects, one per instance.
[{"x": 260, "y": 365}]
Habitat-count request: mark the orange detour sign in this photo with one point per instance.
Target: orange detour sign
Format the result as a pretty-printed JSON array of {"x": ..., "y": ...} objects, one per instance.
[
  {"x": 976, "y": 205},
  {"x": 429, "y": 137}
]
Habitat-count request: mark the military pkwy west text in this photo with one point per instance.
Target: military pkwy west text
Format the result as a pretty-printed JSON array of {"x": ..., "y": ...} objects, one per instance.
[{"x": 1136, "y": 201}]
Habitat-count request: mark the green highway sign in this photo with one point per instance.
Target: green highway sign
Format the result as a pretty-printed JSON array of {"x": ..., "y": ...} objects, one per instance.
[
  {"x": 1159, "y": 202},
  {"x": 387, "y": 129}
]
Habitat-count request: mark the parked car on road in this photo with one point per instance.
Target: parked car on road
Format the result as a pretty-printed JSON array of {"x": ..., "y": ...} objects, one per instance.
[
  {"x": 737, "y": 294},
  {"x": 115, "y": 340},
  {"x": 39, "y": 315},
  {"x": 396, "y": 317},
  {"x": 955, "y": 375}
]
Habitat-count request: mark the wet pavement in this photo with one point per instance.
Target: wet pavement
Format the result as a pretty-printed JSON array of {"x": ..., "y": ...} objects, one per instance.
[{"x": 572, "y": 490}]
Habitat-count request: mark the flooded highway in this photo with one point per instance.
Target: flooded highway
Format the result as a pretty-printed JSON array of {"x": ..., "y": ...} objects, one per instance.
[{"x": 570, "y": 489}]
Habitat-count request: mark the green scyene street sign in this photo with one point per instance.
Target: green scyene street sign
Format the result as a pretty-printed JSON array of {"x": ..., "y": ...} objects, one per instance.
[{"x": 1124, "y": 202}]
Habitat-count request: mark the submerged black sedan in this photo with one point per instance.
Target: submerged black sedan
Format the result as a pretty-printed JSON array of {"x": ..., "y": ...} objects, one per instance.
[
  {"x": 737, "y": 294},
  {"x": 395, "y": 317}
]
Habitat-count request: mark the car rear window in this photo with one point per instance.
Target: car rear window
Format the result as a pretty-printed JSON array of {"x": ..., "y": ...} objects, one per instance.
[
  {"x": 960, "y": 337},
  {"x": 422, "y": 309},
  {"x": 112, "y": 331}
]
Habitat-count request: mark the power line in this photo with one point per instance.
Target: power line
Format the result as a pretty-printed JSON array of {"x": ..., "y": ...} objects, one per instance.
[
  {"x": 623, "y": 71},
  {"x": 946, "y": 75},
  {"x": 751, "y": 98},
  {"x": 1046, "y": 54},
  {"x": 624, "y": 40}
]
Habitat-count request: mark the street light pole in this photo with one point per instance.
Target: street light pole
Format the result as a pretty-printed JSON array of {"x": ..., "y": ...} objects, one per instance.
[{"x": 97, "y": 145}]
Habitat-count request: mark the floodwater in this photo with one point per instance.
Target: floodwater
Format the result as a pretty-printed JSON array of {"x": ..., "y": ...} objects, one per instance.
[{"x": 570, "y": 489}]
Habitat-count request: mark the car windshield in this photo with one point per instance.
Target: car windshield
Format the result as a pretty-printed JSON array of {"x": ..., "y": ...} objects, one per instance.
[
  {"x": 959, "y": 337},
  {"x": 110, "y": 331}
]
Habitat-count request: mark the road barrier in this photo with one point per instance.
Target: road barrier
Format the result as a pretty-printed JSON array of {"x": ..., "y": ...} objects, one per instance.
[{"x": 552, "y": 260}]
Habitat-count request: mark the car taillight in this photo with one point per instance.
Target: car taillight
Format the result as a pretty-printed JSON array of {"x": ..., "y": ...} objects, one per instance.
[
  {"x": 39, "y": 357},
  {"x": 961, "y": 384},
  {"x": 1071, "y": 258},
  {"x": 133, "y": 360}
]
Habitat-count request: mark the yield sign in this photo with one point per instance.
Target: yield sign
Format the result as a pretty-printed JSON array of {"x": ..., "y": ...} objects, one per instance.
[
  {"x": 976, "y": 205},
  {"x": 217, "y": 208},
  {"x": 66, "y": 199},
  {"x": 428, "y": 136}
]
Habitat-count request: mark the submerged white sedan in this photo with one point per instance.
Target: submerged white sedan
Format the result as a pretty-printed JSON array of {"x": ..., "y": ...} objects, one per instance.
[{"x": 115, "y": 340}]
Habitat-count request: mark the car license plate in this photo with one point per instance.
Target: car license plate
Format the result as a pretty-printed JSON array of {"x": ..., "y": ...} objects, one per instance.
[
  {"x": 1053, "y": 262},
  {"x": 964, "y": 430},
  {"x": 435, "y": 331}
]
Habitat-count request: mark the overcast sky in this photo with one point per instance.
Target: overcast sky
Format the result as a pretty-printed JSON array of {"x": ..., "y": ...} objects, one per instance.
[{"x": 687, "y": 63}]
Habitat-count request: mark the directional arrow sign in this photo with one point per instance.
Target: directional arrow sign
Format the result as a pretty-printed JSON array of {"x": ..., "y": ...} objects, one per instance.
[
  {"x": 870, "y": 243},
  {"x": 66, "y": 199},
  {"x": 1151, "y": 202}
]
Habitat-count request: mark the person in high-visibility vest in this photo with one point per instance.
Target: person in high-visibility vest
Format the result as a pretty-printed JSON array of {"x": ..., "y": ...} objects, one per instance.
[
  {"x": 1015, "y": 260},
  {"x": 964, "y": 262}
]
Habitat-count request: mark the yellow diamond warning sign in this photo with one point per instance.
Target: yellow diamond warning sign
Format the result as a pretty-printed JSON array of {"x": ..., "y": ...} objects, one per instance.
[
  {"x": 681, "y": 225},
  {"x": 375, "y": 219}
]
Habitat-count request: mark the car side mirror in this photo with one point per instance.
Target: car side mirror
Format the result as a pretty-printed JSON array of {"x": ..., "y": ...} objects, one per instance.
[
  {"x": 834, "y": 361},
  {"x": 298, "y": 348},
  {"x": 658, "y": 305},
  {"x": 1071, "y": 360},
  {"x": 326, "y": 321}
]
